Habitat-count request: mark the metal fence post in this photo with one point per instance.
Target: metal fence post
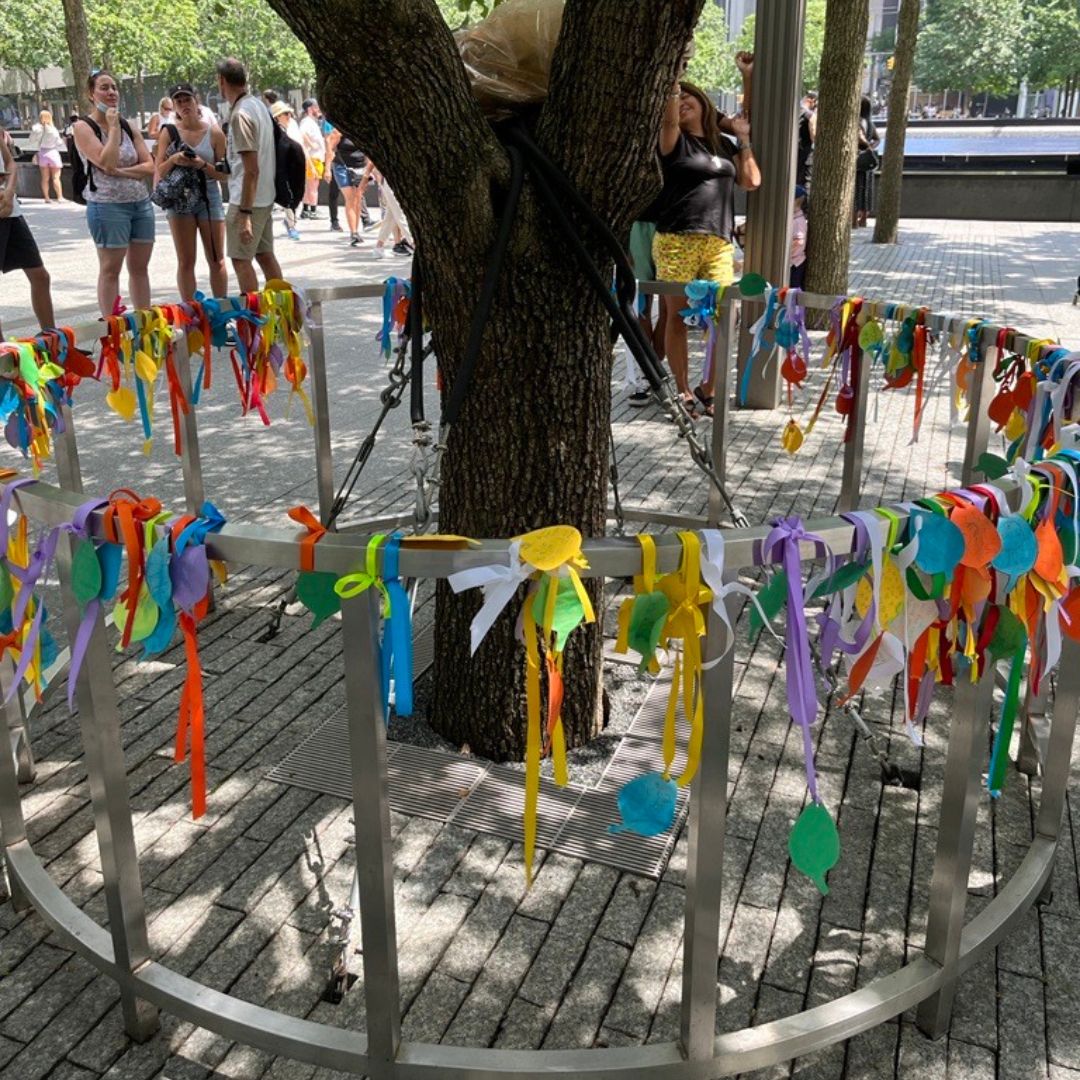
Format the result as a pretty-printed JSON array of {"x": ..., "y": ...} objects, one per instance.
[
  {"x": 99, "y": 724},
  {"x": 12, "y": 825},
  {"x": 980, "y": 392},
  {"x": 851, "y": 484},
  {"x": 190, "y": 460},
  {"x": 705, "y": 857},
  {"x": 320, "y": 401},
  {"x": 371, "y": 815},
  {"x": 1058, "y": 762},
  {"x": 723, "y": 369},
  {"x": 956, "y": 834},
  {"x": 67, "y": 454}
]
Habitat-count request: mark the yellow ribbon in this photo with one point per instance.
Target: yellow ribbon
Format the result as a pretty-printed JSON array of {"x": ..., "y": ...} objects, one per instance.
[{"x": 350, "y": 585}]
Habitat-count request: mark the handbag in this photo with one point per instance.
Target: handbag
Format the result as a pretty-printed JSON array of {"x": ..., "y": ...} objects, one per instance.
[{"x": 183, "y": 191}]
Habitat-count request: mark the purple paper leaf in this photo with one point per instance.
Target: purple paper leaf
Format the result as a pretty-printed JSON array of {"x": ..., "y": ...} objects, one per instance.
[{"x": 190, "y": 573}]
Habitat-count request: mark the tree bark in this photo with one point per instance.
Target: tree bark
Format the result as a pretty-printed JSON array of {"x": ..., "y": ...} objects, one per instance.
[
  {"x": 78, "y": 42},
  {"x": 836, "y": 146},
  {"x": 531, "y": 445},
  {"x": 892, "y": 165}
]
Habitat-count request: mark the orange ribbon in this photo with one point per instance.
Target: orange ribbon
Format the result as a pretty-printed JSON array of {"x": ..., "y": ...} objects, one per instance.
[{"x": 316, "y": 531}]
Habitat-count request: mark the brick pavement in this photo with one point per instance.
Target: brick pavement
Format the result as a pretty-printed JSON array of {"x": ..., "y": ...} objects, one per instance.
[{"x": 241, "y": 899}]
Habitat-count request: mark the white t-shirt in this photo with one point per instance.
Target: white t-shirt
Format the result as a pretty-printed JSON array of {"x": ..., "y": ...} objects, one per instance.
[
  {"x": 251, "y": 128},
  {"x": 208, "y": 115},
  {"x": 314, "y": 143}
]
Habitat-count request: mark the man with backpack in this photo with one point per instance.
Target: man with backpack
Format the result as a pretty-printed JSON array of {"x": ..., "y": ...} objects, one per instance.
[{"x": 252, "y": 160}]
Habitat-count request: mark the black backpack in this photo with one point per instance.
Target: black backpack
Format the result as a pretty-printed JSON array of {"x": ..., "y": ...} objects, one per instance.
[
  {"x": 82, "y": 172},
  {"x": 290, "y": 169}
]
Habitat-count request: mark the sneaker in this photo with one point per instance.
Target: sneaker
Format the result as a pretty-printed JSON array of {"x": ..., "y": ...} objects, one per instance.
[
  {"x": 355, "y": 240},
  {"x": 314, "y": 215},
  {"x": 403, "y": 247},
  {"x": 380, "y": 253},
  {"x": 304, "y": 214},
  {"x": 640, "y": 398},
  {"x": 365, "y": 220},
  {"x": 335, "y": 227},
  {"x": 294, "y": 234}
]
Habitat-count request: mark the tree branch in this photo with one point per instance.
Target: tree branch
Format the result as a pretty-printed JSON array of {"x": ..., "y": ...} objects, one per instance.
[
  {"x": 609, "y": 150},
  {"x": 389, "y": 76}
]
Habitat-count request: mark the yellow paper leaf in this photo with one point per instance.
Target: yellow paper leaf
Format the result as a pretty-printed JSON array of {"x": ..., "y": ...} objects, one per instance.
[
  {"x": 550, "y": 548},
  {"x": 122, "y": 402},
  {"x": 892, "y": 593}
]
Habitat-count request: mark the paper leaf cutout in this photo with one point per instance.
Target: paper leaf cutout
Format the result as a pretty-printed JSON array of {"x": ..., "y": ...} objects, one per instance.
[
  {"x": 315, "y": 590},
  {"x": 941, "y": 545},
  {"x": 771, "y": 598},
  {"x": 848, "y": 574},
  {"x": 548, "y": 549},
  {"x": 110, "y": 556},
  {"x": 158, "y": 580},
  {"x": 86, "y": 577},
  {"x": 190, "y": 575},
  {"x": 982, "y": 542},
  {"x": 646, "y": 805},
  {"x": 647, "y": 618},
  {"x": 160, "y": 638},
  {"x": 146, "y": 616},
  {"x": 814, "y": 844},
  {"x": 7, "y": 590},
  {"x": 1050, "y": 560},
  {"x": 1019, "y": 548},
  {"x": 123, "y": 402},
  {"x": 569, "y": 613},
  {"x": 752, "y": 284},
  {"x": 892, "y": 593},
  {"x": 1010, "y": 636},
  {"x": 1070, "y": 610}
]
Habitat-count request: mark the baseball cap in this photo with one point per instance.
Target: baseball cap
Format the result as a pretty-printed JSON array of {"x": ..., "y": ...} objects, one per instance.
[
  {"x": 800, "y": 191},
  {"x": 280, "y": 107},
  {"x": 182, "y": 88}
]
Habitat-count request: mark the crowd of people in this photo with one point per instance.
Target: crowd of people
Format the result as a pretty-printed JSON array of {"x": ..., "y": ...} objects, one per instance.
[{"x": 182, "y": 164}]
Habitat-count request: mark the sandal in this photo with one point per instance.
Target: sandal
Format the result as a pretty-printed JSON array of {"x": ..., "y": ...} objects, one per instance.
[
  {"x": 706, "y": 401},
  {"x": 690, "y": 404}
]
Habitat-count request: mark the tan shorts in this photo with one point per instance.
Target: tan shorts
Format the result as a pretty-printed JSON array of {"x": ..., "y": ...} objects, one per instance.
[{"x": 262, "y": 232}]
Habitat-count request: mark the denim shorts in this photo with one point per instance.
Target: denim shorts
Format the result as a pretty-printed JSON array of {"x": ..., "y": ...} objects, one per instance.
[
  {"x": 116, "y": 225},
  {"x": 343, "y": 175}
]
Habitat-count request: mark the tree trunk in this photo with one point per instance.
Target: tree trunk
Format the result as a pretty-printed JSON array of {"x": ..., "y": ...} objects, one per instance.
[
  {"x": 78, "y": 47},
  {"x": 836, "y": 146},
  {"x": 531, "y": 445},
  {"x": 892, "y": 165}
]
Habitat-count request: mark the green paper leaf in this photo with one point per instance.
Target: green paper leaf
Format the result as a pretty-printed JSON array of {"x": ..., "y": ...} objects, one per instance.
[
  {"x": 870, "y": 335},
  {"x": 752, "y": 284},
  {"x": 569, "y": 613},
  {"x": 814, "y": 844},
  {"x": 86, "y": 577},
  {"x": 848, "y": 574},
  {"x": 992, "y": 466},
  {"x": 647, "y": 618},
  {"x": 315, "y": 590},
  {"x": 1010, "y": 636},
  {"x": 771, "y": 598},
  {"x": 146, "y": 617},
  {"x": 7, "y": 590}
]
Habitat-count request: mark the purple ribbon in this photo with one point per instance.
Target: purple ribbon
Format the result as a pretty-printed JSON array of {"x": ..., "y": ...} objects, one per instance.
[
  {"x": 782, "y": 546},
  {"x": 827, "y": 620}
]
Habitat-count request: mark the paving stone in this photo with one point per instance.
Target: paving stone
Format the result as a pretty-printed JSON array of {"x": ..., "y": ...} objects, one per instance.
[
  {"x": 627, "y": 910},
  {"x": 477, "y": 1021},
  {"x": 19, "y": 983},
  {"x": 974, "y": 1018},
  {"x": 741, "y": 965},
  {"x": 773, "y": 1004},
  {"x": 646, "y": 972},
  {"x": 1061, "y": 949},
  {"x": 1021, "y": 949},
  {"x": 570, "y": 933},
  {"x": 1022, "y": 1026},
  {"x": 550, "y": 887},
  {"x": 67, "y": 1071},
  {"x": 434, "y": 1008},
  {"x": 48, "y": 1000},
  {"x": 479, "y": 934},
  {"x": 921, "y": 1058},
  {"x": 848, "y": 879},
  {"x": 421, "y": 951},
  {"x": 524, "y": 1026},
  {"x": 8, "y": 1049},
  {"x": 478, "y": 865},
  {"x": 969, "y": 1062},
  {"x": 872, "y": 1053},
  {"x": 587, "y": 1000}
]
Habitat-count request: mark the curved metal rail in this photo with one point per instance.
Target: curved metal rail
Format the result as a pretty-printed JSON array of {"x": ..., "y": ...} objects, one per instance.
[{"x": 122, "y": 951}]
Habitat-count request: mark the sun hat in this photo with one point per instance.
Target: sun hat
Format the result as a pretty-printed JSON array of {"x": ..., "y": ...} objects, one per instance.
[{"x": 280, "y": 107}]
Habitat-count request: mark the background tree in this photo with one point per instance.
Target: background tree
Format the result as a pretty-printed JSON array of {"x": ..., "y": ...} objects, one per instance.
[
  {"x": 836, "y": 146},
  {"x": 972, "y": 46},
  {"x": 892, "y": 165},
  {"x": 813, "y": 41},
  {"x": 28, "y": 42},
  {"x": 78, "y": 43},
  {"x": 1051, "y": 44},
  {"x": 712, "y": 66}
]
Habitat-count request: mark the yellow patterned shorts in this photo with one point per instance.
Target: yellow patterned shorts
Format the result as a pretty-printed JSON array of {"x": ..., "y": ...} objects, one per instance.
[{"x": 692, "y": 257}]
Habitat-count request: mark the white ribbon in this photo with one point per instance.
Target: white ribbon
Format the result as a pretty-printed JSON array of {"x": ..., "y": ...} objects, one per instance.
[
  {"x": 904, "y": 559},
  {"x": 499, "y": 583},
  {"x": 712, "y": 571}
]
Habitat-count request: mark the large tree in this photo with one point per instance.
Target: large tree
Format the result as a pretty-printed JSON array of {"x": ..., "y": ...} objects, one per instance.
[
  {"x": 531, "y": 445},
  {"x": 813, "y": 41},
  {"x": 892, "y": 165},
  {"x": 836, "y": 146},
  {"x": 78, "y": 42},
  {"x": 29, "y": 42}
]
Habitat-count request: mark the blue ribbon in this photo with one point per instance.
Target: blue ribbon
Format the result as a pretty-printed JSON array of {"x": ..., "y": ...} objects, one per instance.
[
  {"x": 396, "y": 655},
  {"x": 758, "y": 343}
]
